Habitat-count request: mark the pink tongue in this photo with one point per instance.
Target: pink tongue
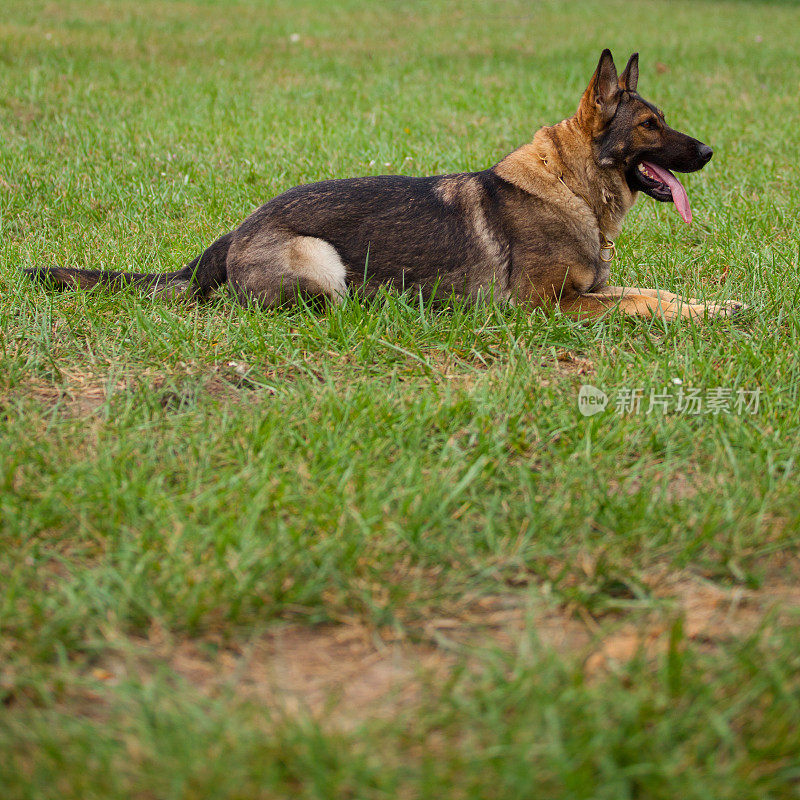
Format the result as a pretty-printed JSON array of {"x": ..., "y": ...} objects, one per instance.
[{"x": 679, "y": 196}]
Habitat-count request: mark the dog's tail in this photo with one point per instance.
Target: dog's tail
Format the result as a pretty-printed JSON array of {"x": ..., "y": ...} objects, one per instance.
[{"x": 199, "y": 277}]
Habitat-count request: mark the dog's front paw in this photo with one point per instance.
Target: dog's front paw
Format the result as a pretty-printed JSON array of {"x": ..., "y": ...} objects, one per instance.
[
  {"x": 727, "y": 309},
  {"x": 733, "y": 307}
]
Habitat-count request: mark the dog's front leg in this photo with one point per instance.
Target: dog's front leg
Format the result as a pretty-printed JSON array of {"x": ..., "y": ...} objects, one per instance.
[
  {"x": 638, "y": 302},
  {"x": 726, "y": 309}
]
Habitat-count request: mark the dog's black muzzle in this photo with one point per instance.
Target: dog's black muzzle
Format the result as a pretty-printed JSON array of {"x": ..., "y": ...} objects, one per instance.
[{"x": 679, "y": 152}]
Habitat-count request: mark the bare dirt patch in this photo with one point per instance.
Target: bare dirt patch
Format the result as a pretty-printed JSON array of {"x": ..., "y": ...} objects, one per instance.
[
  {"x": 345, "y": 674},
  {"x": 342, "y": 674},
  {"x": 680, "y": 485},
  {"x": 711, "y": 615},
  {"x": 573, "y": 364},
  {"x": 79, "y": 394}
]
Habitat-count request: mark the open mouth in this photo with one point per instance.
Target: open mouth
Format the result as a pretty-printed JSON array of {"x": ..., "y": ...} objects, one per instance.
[{"x": 661, "y": 185}]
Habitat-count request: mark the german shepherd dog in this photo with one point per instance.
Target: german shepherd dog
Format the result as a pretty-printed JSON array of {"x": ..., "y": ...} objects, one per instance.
[{"x": 537, "y": 228}]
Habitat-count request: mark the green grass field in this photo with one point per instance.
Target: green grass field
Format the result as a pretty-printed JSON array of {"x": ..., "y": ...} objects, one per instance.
[{"x": 375, "y": 551}]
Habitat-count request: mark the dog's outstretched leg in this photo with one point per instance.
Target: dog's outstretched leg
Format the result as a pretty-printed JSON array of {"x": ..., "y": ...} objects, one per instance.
[{"x": 638, "y": 302}]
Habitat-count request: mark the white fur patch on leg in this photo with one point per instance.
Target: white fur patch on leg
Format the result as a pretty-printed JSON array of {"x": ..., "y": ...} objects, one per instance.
[{"x": 317, "y": 262}]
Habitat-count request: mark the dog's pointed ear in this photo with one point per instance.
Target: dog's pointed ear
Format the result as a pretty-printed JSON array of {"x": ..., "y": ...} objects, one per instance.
[
  {"x": 604, "y": 81},
  {"x": 601, "y": 96},
  {"x": 630, "y": 75}
]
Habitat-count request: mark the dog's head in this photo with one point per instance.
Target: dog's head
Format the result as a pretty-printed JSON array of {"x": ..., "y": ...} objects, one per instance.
[{"x": 630, "y": 135}]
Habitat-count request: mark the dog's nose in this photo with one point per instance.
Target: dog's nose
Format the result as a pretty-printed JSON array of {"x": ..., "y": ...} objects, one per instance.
[{"x": 705, "y": 153}]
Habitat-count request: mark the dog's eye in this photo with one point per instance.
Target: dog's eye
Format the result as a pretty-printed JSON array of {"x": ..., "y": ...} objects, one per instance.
[{"x": 650, "y": 124}]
